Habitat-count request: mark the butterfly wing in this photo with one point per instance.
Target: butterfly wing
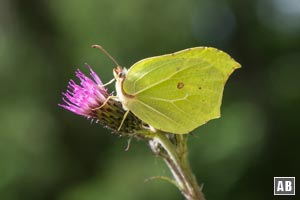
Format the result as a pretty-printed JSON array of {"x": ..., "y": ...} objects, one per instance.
[{"x": 178, "y": 92}]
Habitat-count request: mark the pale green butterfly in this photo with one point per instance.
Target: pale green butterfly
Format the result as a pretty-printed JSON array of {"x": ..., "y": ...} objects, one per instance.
[{"x": 176, "y": 92}]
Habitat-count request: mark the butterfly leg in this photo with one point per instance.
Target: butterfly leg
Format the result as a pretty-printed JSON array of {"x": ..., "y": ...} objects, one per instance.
[
  {"x": 105, "y": 102},
  {"x": 124, "y": 117},
  {"x": 150, "y": 128},
  {"x": 109, "y": 82}
]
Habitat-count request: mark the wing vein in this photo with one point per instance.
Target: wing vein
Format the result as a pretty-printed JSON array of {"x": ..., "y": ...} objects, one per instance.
[
  {"x": 155, "y": 68},
  {"x": 172, "y": 102},
  {"x": 153, "y": 109},
  {"x": 167, "y": 78}
]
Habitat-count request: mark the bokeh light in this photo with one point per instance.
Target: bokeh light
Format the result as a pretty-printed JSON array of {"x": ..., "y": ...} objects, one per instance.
[{"x": 49, "y": 153}]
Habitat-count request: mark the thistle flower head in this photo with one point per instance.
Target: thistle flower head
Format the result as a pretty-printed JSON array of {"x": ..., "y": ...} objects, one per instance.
[
  {"x": 83, "y": 98},
  {"x": 89, "y": 98}
]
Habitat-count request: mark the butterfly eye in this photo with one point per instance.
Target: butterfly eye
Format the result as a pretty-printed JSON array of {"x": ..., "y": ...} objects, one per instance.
[{"x": 119, "y": 72}]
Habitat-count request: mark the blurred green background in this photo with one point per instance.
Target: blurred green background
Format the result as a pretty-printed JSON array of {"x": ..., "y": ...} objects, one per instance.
[{"x": 48, "y": 153}]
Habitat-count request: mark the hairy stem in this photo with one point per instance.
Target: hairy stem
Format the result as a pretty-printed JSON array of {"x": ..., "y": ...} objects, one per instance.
[{"x": 175, "y": 156}]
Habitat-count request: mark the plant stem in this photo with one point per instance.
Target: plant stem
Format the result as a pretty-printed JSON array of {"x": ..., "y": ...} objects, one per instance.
[
  {"x": 175, "y": 156},
  {"x": 171, "y": 147}
]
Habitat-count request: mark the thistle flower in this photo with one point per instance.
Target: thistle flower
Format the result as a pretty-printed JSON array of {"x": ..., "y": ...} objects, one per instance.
[
  {"x": 83, "y": 98},
  {"x": 89, "y": 99}
]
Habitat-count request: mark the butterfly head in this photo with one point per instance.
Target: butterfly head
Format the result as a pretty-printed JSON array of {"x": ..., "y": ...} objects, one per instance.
[{"x": 120, "y": 73}]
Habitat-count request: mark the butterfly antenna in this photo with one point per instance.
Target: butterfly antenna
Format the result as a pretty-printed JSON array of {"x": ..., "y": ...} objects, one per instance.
[{"x": 105, "y": 52}]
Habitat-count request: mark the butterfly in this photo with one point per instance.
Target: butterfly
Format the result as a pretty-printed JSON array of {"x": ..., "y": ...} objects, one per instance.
[{"x": 176, "y": 92}]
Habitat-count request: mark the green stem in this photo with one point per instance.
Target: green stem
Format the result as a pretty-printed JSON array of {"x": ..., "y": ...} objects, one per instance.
[
  {"x": 171, "y": 147},
  {"x": 175, "y": 157}
]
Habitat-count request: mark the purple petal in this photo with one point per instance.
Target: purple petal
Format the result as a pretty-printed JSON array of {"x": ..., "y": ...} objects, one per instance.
[
  {"x": 82, "y": 98},
  {"x": 94, "y": 75}
]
